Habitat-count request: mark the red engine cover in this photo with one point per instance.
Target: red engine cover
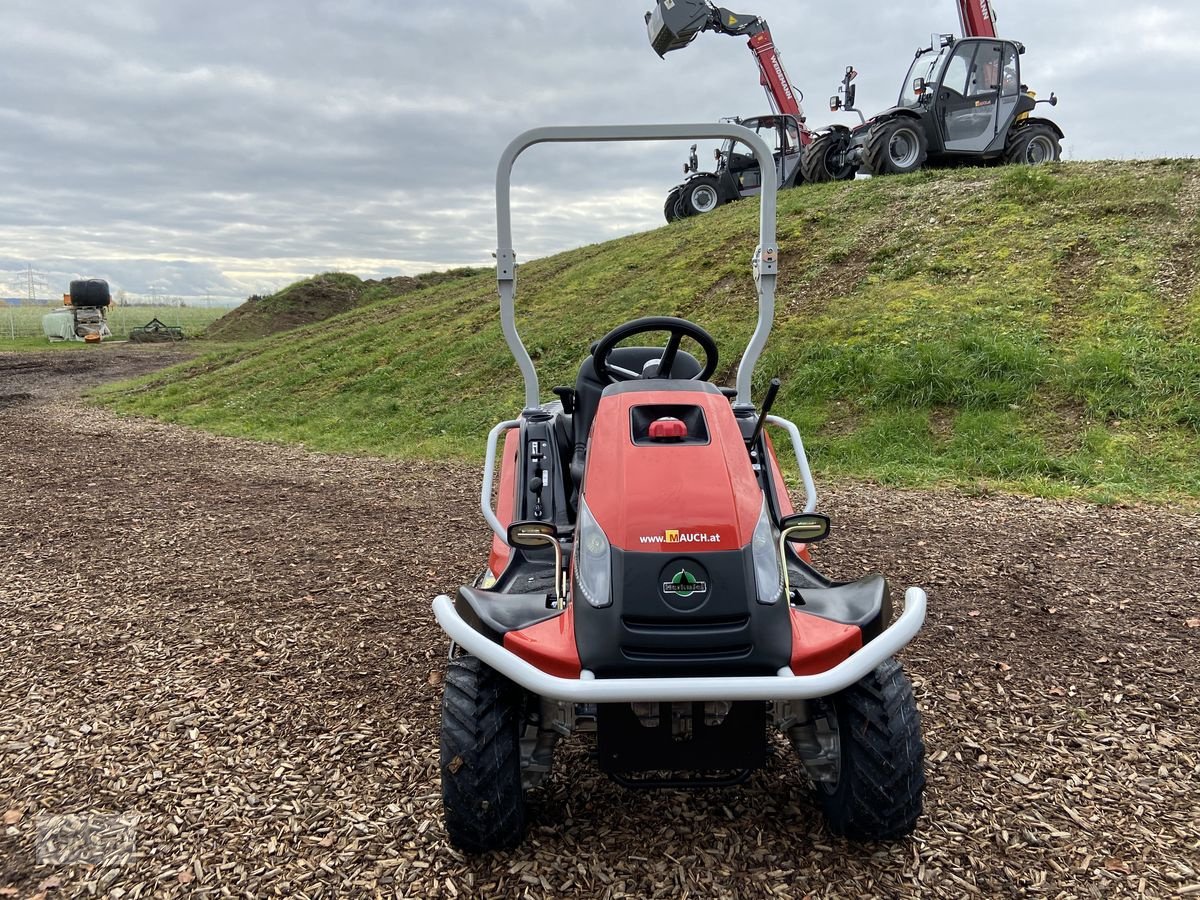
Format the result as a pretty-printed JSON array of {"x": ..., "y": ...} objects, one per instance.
[{"x": 671, "y": 497}]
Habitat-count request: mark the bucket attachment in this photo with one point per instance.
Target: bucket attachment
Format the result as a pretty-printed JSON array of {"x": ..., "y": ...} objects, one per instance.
[{"x": 674, "y": 23}]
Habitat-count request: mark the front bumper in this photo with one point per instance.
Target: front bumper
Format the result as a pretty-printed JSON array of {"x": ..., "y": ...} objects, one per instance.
[{"x": 784, "y": 685}]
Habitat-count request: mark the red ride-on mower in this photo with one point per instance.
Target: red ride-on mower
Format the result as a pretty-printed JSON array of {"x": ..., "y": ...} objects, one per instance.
[{"x": 650, "y": 582}]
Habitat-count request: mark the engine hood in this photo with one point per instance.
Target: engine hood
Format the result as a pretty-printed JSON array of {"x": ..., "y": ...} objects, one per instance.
[{"x": 685, "y": 496}]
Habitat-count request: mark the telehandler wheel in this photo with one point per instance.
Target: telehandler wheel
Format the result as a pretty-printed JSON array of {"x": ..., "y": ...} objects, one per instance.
[
  {"x": 670, "y": 211},
  {"x": 895, "y": 147},
  {"x": 1032, "y": 145},
  {"x": 699, "y": 196},
  {"x": 480, "y": 758},
  {"x": 824, "y": 159},
  {"x": 876, "y": 785}
]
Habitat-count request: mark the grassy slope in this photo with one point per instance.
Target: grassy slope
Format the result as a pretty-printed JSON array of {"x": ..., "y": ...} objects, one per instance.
[{"x": 1036, "y": 329}]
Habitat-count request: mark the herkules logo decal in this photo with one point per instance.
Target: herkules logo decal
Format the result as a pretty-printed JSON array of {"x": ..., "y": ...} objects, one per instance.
[{"x": 684, "y": 584}]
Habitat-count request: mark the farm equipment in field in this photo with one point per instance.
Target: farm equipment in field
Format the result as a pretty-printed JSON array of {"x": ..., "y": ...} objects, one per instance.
[
  {"x": 962, "y": 101},
  {"x": 155, "y": 332},
  {"x": 672, "y": 25},
  {"x": 967, "y": 105},
  {"x": 83, "y": 315},
  {"x": 651, "y": 583}
]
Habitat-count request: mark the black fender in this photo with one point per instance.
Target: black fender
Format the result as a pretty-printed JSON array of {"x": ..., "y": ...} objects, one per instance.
[
  {"x": 894, "y": 113},
  {"x": 859, "y": 132},
  {"x": 1038, "y": 121},
  {"x": 494, "y": 615},
  {"x": 829, "y": 129}
]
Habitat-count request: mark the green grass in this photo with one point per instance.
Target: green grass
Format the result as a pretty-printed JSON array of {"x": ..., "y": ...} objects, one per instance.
[
  {"x": 21, "y": 326},
  {"x": 1008, "y": 328}
]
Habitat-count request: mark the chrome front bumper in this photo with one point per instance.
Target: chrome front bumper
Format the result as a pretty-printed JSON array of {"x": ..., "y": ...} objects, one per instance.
[{"x": 784, "y": 685}]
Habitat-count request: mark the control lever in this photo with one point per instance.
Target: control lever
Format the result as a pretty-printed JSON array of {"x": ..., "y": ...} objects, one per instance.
[
  {"x": 768, "y": 402},
  {"x": 567, "y": 396},
  {"x": 535, "y": 487}
]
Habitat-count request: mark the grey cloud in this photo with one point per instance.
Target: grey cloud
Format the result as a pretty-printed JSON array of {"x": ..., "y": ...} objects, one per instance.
[{"x": 227, "y": 146}]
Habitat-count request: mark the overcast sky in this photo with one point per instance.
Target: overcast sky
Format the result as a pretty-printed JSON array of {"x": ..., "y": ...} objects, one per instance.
[{"x": 225, "y": 148}]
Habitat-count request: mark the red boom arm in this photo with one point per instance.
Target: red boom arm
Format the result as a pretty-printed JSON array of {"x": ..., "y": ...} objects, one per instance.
[
  {"x": 977, "y": 18},
  {"x": 775, "y": 81}
]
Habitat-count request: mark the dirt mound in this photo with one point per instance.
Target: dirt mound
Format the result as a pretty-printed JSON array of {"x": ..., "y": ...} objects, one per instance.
[{"x": 315, "y": 299}]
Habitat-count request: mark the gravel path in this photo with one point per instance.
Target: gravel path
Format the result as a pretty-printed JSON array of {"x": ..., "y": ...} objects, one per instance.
[{"x": 222, "y": 651}]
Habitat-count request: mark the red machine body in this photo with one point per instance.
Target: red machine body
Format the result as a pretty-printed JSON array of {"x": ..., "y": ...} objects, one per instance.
[
  {"x": 682, "y": 483},
  {"x": 681, "y": 517}
]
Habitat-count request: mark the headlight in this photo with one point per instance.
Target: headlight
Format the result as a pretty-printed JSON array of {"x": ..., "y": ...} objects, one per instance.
[
  {"x": 767, "y": 574},
  {"x": 593, "y": 561}
]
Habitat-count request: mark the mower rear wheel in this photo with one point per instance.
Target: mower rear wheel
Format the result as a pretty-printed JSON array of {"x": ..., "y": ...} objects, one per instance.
[
  {"x": 895, "y": 147},
  {"x": 482, "y": 798},
  {"x": 670, "y": 212},
  {"x": 1032, "y": 145},
  {"x": 824, "y": 158},
  {"x": 877, "y": 786},
  {"x": 699, "y": 196}
]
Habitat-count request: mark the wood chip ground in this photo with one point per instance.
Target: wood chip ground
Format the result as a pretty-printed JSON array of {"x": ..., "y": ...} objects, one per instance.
[{"x": 226, "y": 648}]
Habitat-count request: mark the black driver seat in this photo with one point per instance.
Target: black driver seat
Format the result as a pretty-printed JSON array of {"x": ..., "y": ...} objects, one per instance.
[{"x": 588, "y": 389}]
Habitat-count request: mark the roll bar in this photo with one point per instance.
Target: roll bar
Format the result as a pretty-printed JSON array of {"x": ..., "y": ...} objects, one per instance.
[{"x": 764, "y": 264}]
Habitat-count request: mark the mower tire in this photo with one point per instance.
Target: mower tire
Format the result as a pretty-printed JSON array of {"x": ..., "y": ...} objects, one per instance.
[
  {"x": 1032, "y": 145},
  {"x": 670, "y": 207},
  {"x": 822, "y": 159},
  {"x": 877, "y": 794},
  {"x": 699, "y": 196},
  {"x": 482, "y": 798},
  {"x": 895, "y": 147}
]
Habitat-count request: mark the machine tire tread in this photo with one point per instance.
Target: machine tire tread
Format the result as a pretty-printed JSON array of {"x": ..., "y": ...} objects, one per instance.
[
  {"x": 670, "y": 207},
  {"x": 686, "y": 191},
  {"x": 480, "y": 758},
  {"x": 879, "y": 792},
  {"x": 1019, "y": 138},
  {"x": 813, "y": 161},
  {"x": 875, "y": 150}
]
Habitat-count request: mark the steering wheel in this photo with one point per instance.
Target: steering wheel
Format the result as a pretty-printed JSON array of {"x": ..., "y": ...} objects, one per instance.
[{"x": 678, "y": 329}]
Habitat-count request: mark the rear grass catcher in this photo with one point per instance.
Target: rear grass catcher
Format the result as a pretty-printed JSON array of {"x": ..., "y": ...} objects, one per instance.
[{"x": 650, "y": 581}]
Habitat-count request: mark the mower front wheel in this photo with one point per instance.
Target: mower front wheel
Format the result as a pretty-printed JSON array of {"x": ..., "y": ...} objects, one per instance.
[
  {"x": 699, "y": 196},
  {"x": 874, "y": 790},
  {"x": 482, "y": 797}
]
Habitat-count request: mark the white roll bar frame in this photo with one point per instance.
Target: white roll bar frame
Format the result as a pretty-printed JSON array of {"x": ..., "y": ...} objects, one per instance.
[{"x": 764, "y": 263}]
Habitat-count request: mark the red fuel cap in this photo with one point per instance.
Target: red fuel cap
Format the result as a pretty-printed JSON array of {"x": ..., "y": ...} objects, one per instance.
[{"x": 667, "y": 429}]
